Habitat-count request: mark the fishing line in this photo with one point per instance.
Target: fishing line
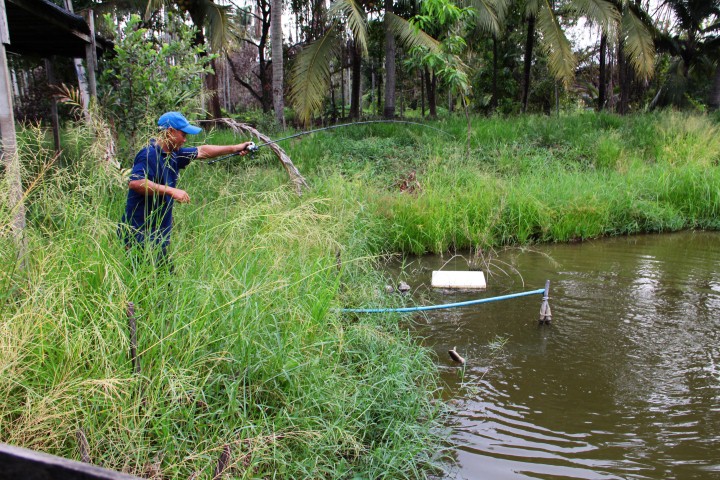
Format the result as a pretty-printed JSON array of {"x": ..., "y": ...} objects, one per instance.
[{"x": 254, "y": 148}]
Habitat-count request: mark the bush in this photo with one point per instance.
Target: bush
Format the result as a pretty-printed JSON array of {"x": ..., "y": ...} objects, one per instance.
[{"x": 147, "y": 77}]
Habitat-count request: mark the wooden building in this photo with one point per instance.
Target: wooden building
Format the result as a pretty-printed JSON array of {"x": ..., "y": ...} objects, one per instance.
[{"x": 37, "y": 28}]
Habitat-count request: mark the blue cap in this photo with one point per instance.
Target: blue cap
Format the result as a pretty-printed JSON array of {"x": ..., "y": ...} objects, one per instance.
[{"x": 178, "y": 122}]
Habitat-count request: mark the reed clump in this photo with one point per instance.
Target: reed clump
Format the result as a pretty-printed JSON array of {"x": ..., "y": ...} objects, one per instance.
[{"x": 241, "y": 347}]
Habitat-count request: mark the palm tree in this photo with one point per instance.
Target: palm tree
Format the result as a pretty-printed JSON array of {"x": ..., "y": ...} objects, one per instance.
[
  {"x": 628, "y": 27},
  {"x": 390, "y": 77},
  {"x": 694, "y": 41},
  {"x": 278, "y": 83},
  {"x": 540, "y": 15},
  {"x": 208, "y": 16},
  {"x": 490, "y": 16},
  {"x": 615, "y": 17},
  {"x": 311, "y": 72}
]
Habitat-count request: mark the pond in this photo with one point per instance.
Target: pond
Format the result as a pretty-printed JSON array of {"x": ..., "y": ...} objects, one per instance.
[{"x": 625, "y": 381}]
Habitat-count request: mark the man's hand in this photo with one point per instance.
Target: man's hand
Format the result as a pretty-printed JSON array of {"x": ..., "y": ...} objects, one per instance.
[
  {"x": 179, "y": 195},
  {"x": 243, "y": 147}
]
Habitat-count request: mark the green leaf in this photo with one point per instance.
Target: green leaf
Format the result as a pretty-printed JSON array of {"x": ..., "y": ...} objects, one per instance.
[
  {"x": 489, "y": 14},
  {"x": 561, "y": 60},
  {"x": 601, "y": 12},
  {"x": 409, "y": 35},
  {"x": 356, "y": 20},
  {"x": 310, "y": 75},
  {"x": 638, "y": 45}
]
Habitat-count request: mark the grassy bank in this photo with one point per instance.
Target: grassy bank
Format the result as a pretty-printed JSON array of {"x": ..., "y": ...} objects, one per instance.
[
  {"x": 242, "y": 345},
  {"x": 524, "y": 180}
]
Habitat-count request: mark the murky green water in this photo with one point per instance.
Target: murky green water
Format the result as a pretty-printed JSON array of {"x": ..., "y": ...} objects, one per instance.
[{"x": 625, "y": 382}]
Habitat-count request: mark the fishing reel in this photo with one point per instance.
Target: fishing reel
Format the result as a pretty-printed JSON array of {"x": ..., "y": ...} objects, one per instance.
[{"x": 252, "y": 148}]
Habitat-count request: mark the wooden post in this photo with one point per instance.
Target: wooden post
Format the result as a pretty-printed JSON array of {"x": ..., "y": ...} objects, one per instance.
[
  {"x": 9, "y": 154},
  {"x": 545, "y": 314},
  {"x": 223, "y": 462},
  {"x": 133, "y": 337},
  {"x": 91, "y": 54},
  {"x": 53, "y": 105},
  {"x": 84, "y": 446}
]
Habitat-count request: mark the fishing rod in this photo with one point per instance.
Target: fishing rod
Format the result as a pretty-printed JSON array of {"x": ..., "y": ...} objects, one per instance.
[{"x": 252, "y": 148}]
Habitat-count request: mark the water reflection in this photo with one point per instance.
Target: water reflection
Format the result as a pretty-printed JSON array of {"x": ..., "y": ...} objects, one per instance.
[{"x": 624, "y": 384}]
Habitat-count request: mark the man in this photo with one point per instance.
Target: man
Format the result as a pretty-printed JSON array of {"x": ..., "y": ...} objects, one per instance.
[{"x": 152, "y": 187}]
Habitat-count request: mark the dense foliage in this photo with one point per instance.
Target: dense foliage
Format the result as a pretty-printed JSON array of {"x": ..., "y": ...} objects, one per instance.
[{"x": 150, "y": 73}]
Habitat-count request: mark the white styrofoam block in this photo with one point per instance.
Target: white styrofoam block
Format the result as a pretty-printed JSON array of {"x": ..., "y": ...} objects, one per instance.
[{"x": 458, "y": 279}]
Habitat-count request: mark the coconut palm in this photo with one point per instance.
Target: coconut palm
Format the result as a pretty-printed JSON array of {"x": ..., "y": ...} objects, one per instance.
[
  {"x": 622, "y": 20},
  {"x": 694, "y": 42},
  {"x": 278, "y": 82},
  {"x": 310, "y": 75},
  {"x": 489, "y": 18},
  {"x": 206, "y": 16},
  {"x": 390, "y": 77}
]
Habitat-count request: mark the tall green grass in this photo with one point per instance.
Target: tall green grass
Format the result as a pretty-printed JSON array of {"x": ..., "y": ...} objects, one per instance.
[
  {"x": 243, "y": 344},
  {"x": 527, "y": 180}
]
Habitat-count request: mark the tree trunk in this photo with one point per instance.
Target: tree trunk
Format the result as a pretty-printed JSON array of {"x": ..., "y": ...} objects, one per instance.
[
  {"x": 342, "y": 88},
  {"x": 83, "y": 85},
  {"x": 379, "y": 92},
  {"x": 278, "y": 80},
  {"x": 389, "y": 110},
  {"x": 529, "y": 42},
  {"x": 714, "y": 100},
  {"x": 355, "y": 89},
  {"x": 623, "y": 80},
  {"x": 494, "y": 98},
  {"x": 333, "y": 103},
  {"x": 211, "y": 85},
  {"x": 431, "y": 83},
  {"x": 422, "y": 94},
  {"x": 602, "y": 81}
]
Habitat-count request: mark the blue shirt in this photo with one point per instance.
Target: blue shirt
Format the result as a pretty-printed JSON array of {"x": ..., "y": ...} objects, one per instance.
[{"x": 150, "y": 216}]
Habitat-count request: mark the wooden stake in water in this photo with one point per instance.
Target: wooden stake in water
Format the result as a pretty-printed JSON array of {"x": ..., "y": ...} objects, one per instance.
[
  {"x": 456, "y": 356},
  {"x": 545, "y": 314}
]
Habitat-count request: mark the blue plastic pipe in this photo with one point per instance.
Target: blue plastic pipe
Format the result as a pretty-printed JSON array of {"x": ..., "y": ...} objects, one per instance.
[{"x": 447, "y": 305}]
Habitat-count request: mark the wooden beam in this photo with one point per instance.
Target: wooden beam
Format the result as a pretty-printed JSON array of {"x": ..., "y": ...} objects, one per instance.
[{"x": 16, "y": 462}]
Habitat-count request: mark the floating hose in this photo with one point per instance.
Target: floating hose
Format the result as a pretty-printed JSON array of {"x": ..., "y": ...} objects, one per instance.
[{"x": 447, "y": 305}]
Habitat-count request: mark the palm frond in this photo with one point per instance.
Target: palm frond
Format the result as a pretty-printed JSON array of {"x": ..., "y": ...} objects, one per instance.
[
  {"x": 502, "y": 7},
  {"x": 638, "y": 45},
  {"x": 216, "y": 21},
  {"x": 153, "y": 6},
  {"x": 532, "y": 8},
  {"x": 409, "y": 35},
  {"x": 310, "y": 74},
  {"x": 489, "y": 14},
  {"x": 561, "y": 60},
  {"x": 601, "y": 12},
  {"x": 356, "y": 20}
]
